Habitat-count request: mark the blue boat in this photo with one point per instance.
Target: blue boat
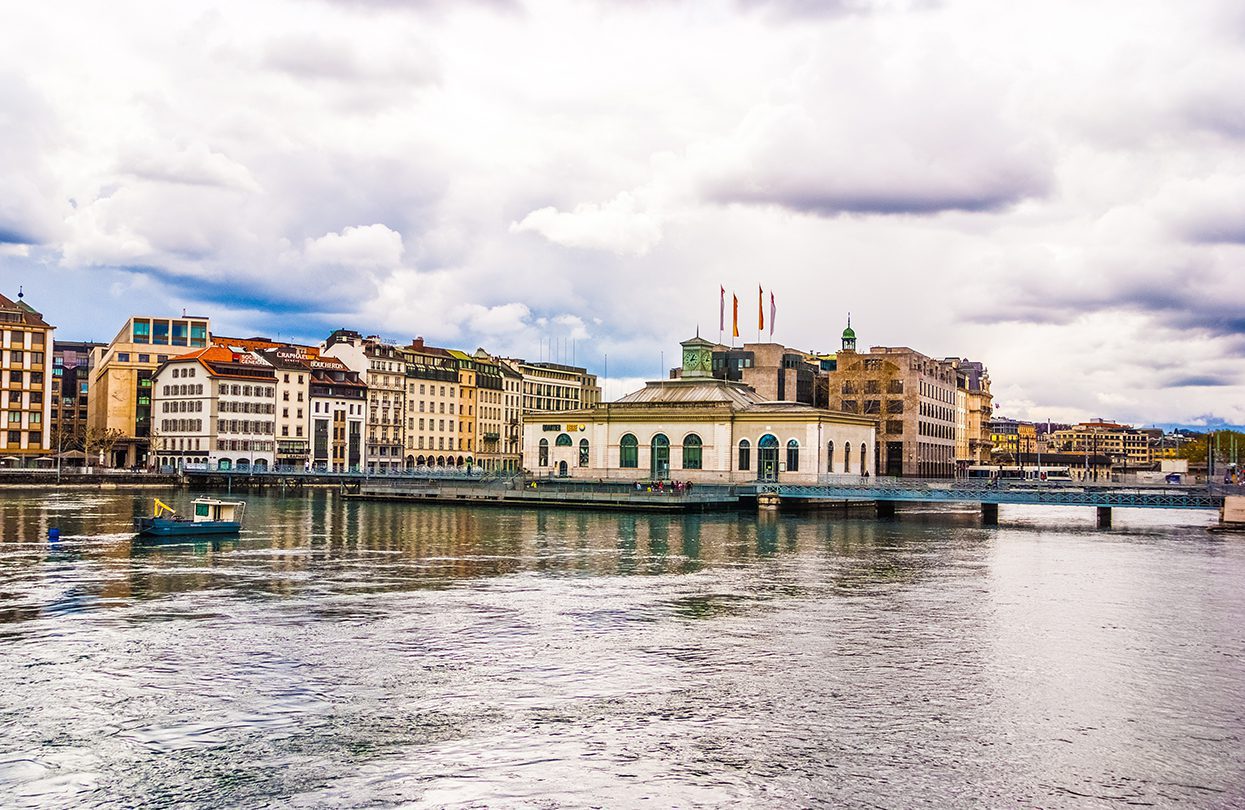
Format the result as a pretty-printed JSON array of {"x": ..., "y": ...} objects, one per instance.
[{"x": 211, "y": 516}]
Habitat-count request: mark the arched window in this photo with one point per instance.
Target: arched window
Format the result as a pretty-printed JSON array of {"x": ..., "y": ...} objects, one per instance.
[
  {"x": 862, "y": 458},
  {"x": 583, "y": 452},
  {"x": 629, "y": 451},
  {"x": 563, "y": 440},
  {"x": 847, "y": 457},
  {"x": 745, "y": 454},
  {"x": 691, "y": 452},
  {"x": 793, "y": 456},
  {"x": 543, "y": 455},
  {"x": 829, "y": 456}
]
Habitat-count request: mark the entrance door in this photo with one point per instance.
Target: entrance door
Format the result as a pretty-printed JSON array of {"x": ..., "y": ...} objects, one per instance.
[
  {"x": 659, "y": 463},
  {"x": 767, "y": 458},
  {"x": 562, "y": 469},
  {"x": 894, "y": 459}
]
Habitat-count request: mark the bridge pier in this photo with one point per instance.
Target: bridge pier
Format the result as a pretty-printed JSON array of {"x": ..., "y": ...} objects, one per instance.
[
  {"x": 1104, "y": 517},
  {"x": 768, "y": 501},
  {"x": 886, "y": 508},
  {"x": 989, "y": 514}
]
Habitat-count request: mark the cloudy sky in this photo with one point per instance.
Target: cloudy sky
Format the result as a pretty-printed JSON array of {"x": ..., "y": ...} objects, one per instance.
[{"x": 1055, "y": 188}]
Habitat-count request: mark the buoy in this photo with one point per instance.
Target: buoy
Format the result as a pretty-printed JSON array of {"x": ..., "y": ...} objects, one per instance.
[{"x": 54, "y": 535}]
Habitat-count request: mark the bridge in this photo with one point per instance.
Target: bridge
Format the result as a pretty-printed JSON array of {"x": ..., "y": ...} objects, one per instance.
[{"x": 1105, "y": 496}]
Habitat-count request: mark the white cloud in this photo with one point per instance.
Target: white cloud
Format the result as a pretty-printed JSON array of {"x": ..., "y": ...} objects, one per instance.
[
  {"x": 368, "y": 246},
  {"x": 619, "y": 226}
]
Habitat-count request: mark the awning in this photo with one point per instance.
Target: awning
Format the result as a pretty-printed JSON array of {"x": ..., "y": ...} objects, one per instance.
[{"x": 71, "y": 454}]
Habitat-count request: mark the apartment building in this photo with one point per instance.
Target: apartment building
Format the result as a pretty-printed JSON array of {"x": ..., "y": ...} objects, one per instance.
[
  {"x": 26, "y": 347},
  {"x": 338, "y": 401},
  {"x": 382, "y": 367},
  {"x": 432, "y": 403},
  {"x": 555, "y": 387},
  {"x": 1125, "y": 445},
  {"x": 214, "y": 407}
]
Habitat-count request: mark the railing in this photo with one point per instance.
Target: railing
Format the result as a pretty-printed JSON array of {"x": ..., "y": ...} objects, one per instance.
[{"x": 1159, "y": 496}]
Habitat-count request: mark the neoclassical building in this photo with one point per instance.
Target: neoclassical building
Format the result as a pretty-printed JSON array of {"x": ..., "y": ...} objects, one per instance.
[{"x": 698, "y": 428}]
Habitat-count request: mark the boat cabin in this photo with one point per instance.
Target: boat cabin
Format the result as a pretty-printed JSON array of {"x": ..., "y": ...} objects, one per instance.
[{"x": 214, "y": 510}]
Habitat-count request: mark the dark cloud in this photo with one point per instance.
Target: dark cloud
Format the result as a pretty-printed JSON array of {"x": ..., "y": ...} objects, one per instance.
[
  {"x": 814, "y": 9},
  {"x": 13, "y": 236},
  {"x": 830, "y": 201},
  {"x": 1200, "y": 381}
]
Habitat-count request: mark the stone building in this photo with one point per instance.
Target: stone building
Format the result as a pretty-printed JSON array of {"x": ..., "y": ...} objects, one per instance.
[
  {"x": 974, "y": 409},
  {"x": 26, "y": 348},
  {"x": 432, "y": 404},
  {"x": 382, "y": 368},
  {"x": 291, "y": 365},
  {"x": 698, "y": 428},
  {"x": 913, "y": 398},
  {"x": 1126, "y": 446},
  {"x": 556, "y": 387}
]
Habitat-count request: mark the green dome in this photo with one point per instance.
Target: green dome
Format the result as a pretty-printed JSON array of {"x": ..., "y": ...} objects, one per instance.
[{"x": 848, "y": 334}]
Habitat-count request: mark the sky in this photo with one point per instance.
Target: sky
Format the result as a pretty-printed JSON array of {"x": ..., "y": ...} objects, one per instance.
[{"x": 1056, "y": 189}]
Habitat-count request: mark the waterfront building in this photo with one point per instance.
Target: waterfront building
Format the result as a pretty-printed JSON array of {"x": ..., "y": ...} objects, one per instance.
[
  {"x": 1126, "y": 446},
  {"x": 214, "y": 407},
  {"x": 432, "y": 402},
  {"x": 910, "y": 394},
  {"x": 338, "y": 400},
  {"x": 697, "y": 427},
  {"x": 490, "y": 413},
  {"x": 119, "y": 408},
  {"x": 382, "y": 367},
  {"x": 26, "y": 345},
  {"x": 467, "y": 404},
  {"x": 1012, "y": 439},
  {"x": 291, "y": 364},
  {"x": 71, "y": 387},
  {"x": 974, "y": 409},
  {"x": 512, "y": 416},
  {"x": 556, "y": 387}
]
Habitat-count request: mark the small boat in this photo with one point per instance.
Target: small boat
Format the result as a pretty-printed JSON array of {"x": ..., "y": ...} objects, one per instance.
[{"x": 211, "y": 516}]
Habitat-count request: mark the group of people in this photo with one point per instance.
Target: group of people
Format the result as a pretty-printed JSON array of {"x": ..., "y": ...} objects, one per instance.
[{"x": 661, "y": 487}]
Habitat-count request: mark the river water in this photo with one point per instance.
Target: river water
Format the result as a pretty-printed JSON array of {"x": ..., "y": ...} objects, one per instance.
[{"x": 351, "y": 654}]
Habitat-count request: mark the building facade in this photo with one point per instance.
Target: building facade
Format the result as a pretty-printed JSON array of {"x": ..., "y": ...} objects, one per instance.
[
  {"x": 555, "y": 387},
  {"x": 215, "y": 407},
  {"x": 432, "y": 400},
  {"x": 26, "y": 348},
  {"x": 119, "y": 408},
  {"x": 382, "y": 367},
  {"x": 698, "y": 428},
  {"x": 338, "y": 401},
  {"x": 71, "y": 391},
  {"x": 1126, "y": 446},
  {"x": 912, "y": 396}
]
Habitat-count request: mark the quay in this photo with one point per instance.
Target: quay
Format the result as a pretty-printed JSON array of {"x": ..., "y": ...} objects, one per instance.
[{"x": 880, "y": 493}]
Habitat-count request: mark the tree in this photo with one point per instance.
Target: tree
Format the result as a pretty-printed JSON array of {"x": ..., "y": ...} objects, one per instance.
[{"x": 101, "y": 441}]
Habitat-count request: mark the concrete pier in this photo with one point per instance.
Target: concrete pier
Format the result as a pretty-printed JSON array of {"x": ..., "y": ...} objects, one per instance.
[{"x": 989, "y": 514}]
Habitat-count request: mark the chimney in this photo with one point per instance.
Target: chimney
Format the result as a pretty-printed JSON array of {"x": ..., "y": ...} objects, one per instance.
[{"x": 417, "y": 343}]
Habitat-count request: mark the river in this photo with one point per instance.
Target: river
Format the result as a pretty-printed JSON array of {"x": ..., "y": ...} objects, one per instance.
[{"x": 352, "y": 654}]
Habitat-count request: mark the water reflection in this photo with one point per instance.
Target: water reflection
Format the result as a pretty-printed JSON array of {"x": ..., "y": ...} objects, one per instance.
[{"x": 353, "y": 654}]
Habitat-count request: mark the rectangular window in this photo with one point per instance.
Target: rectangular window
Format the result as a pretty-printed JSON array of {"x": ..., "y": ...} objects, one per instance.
[
  {"x": 181, "y": 334},
  {"x": 198, "y": 334},
  {"x": 141, "y": 332},
  {"x": 123, "y": 357}
]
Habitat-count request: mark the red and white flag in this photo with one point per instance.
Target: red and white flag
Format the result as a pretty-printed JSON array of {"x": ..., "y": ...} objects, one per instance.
[
  {"x": 722, "y": 311},
  {"x": 771, "y": 313}
]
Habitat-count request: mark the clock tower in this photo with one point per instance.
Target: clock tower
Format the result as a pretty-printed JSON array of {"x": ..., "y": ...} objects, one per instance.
[{"x": 697, "y": 358}]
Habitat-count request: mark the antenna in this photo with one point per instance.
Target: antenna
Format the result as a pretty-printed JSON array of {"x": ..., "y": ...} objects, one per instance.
[{"x": 20, "y": 294}]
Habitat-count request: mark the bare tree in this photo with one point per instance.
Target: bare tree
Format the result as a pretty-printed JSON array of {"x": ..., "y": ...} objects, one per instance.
[{"x": 100, "y": 441}]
